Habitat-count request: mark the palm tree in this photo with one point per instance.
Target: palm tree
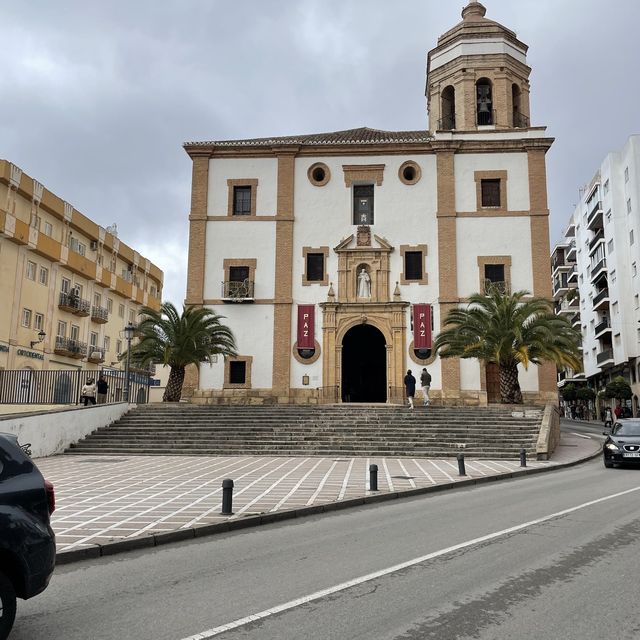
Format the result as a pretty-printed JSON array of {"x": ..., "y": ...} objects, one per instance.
[
  {"x": 509, "y": 330},
  {"x": 178, "y": 340}
]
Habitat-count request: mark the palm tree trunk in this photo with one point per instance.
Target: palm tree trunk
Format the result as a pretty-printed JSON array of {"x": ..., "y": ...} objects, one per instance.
[
  {"x": 509, "y": 386},
  {"x": 173, "y": 390}
]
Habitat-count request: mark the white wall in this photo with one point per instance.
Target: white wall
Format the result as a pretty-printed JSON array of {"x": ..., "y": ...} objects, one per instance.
[
  {"x": 52, "y": 432},
  {"x": 265, "y": 170},
  {"x": 515, "y": 164}
]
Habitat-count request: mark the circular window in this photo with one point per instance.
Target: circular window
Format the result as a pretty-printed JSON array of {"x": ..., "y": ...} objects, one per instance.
[
  {"x": 319, "y": 174},
  {"x": 410, "y": 172},
  {"x": 306, "y": 356},
  {"x": 421, "y": 356}
]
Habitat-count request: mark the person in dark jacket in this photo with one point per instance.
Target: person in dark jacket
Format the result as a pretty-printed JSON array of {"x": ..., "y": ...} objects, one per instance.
[
  {"x": 410, "y": 386},
  {"x": 103, "y": 387}
]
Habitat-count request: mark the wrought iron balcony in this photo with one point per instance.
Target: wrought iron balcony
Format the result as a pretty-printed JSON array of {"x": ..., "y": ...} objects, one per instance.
[
  {"x": 233, "y": 291},
  {"x": 70, "y": 347},
  {"x": 74, "y": 304},
  {"x": 520, "y": 121},
  {"x": 99, "y": 315},
  {"x": 484, "y": 118}
]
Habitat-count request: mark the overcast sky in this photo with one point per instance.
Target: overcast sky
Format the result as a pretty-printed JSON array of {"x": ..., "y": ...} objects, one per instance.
[{"x": 97, "y": 96}]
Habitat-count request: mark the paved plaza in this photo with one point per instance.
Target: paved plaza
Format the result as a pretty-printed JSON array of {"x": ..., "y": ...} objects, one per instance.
[{"x": 143, "y": 500}]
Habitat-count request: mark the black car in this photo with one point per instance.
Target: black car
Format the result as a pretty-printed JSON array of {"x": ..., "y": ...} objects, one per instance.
[
  {"x": 27, "y": 542},
  {"x": 623, "y": 443}
]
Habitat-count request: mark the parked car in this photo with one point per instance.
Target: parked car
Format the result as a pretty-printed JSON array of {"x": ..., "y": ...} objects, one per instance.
[
  {"x": 622, "y": 445},
  {"x": 27, "y": 542}
]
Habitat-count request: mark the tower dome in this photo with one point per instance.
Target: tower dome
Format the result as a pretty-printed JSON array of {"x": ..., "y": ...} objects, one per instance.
[{"x": 477, "y": 76}]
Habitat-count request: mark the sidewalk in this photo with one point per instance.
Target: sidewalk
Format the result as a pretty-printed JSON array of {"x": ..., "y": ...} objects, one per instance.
[{"x": 108, "y": 504}]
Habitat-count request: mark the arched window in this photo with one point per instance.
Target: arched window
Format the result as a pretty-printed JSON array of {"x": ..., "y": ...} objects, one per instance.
[
  {"x": 519, "y": 119},
  {"x": 448, "y": 109},
  {"x": 484, "y": 102}
]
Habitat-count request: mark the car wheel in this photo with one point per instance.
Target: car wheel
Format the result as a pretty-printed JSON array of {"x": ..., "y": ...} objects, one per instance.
[
  {"x": 7, "y": 606},
  {"x": 608, "y": 464}
]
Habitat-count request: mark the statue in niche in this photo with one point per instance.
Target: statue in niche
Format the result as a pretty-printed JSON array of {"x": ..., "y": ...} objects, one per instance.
[{"x": 364, "y": 284}]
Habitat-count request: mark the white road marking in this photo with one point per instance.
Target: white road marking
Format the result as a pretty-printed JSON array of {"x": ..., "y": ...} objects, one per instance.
[
  {"x": 316, "y": 493},
  {"x": 581, "y": 435},
  {"x": 345, "y": 482},
  {"x": 210, "y": 633}
]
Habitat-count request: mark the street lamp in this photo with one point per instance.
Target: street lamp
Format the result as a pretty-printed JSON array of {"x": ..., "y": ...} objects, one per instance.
[
  {"x": 128, "y": 334},
  {"x": 41, "y": 336}
]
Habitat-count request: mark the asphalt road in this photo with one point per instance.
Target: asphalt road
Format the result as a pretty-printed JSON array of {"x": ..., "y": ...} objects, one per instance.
[{"x": 550, "y": 556}]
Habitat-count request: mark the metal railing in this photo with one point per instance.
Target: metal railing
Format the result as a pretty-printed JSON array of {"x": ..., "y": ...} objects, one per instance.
[
  {"x": 602, "y": 326},
  {"x": 605, "y": 355},
  {"x": 237, "y": 291},
  {"x": 484, "y": 118},
  {"x": 99, "y": 314},
  {"x": 520, "y": 121},
  {"x": 71, "y": 302},
  {"x": 447, "y": 123},
  {"x": 95, "y": 354},
  {"x": 63, "y": 387},
  {"x": 601, "y": 296},
  {"x": 597, "y": 208},
  {"x": 70, "y": 347},
  {"x": 596, "y": 239}
]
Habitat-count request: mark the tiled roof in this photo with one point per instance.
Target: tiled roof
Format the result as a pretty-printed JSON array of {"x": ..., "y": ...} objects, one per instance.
[{"x": 363, "y": 135}]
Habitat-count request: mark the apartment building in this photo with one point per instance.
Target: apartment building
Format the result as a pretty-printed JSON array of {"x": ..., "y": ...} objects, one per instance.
[
  {"x": 68, "y": 286},
  {"x": 606, "y": 224}
]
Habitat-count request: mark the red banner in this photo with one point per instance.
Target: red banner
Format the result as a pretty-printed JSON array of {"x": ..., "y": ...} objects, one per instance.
[
  {"x": 422, "y": 326},
  {"x": 306, "y": 317}
]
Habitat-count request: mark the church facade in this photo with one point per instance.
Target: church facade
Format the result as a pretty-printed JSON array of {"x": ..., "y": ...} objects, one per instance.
[{"x": 335, "y": 257}]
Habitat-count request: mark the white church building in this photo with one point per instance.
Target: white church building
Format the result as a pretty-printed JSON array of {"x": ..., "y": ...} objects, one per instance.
[{"x": 335, "y": 257}]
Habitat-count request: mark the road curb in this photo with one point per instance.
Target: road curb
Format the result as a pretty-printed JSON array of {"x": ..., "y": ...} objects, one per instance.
[{"x": 155, "y": 540}]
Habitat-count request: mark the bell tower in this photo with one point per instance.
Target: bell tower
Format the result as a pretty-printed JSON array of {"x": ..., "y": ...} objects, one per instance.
[{"x": 477, "y": 76}]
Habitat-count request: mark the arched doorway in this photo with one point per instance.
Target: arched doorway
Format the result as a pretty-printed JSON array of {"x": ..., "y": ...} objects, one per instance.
[{"x": 364, "y": 365}]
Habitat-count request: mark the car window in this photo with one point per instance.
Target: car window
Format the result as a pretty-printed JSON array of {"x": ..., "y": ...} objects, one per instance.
[{"x": 627, "y": 429}]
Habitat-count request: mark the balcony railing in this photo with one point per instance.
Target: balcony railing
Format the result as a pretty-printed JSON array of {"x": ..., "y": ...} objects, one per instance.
[
  {"x": 74, "y": 304},
  {"x": 570, "y": 253},
  {"x": 596, "y": 239},
  {"x": 99, "y": 314},
  {"x": 604, "y": 356},
  {"x": 70, "y": 347},
  {"x": 604, "y": 294},
  {"x": 599, "y": 269},
  {"x": 602, "y": 326},
  {"x": 594, "y": 218},
  {"x": 233, "y": 291},
  {"x": 520, "y": 121},
  {"x": 447, "y": 123},
  {"x": 572, "y": 276},
  {"x": 575, "y": 321},
  {"x": 95, "y": 354}
]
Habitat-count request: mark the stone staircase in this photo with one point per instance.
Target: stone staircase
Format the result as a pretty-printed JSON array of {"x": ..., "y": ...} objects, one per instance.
[{"x": 327, "y": 430}]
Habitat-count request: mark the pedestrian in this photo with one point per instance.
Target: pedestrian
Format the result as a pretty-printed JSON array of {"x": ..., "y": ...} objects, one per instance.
[
  {"x": 618, "y": 411},
  {"x": 608, "y": 418},
  {"x": 410, "y": 386},
  {"x": 88, "y": 392},
  {"x": 425, "y": 383},
  {"x": 102, "y": 387},
  {"x": 573, "y": 411}
]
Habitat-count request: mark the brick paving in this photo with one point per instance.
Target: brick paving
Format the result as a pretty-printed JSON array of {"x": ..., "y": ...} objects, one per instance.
[{"x": 104, "y": 499}]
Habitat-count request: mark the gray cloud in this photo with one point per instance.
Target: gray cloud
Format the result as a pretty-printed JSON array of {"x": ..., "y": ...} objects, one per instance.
[{"x": 99, "y": 96}]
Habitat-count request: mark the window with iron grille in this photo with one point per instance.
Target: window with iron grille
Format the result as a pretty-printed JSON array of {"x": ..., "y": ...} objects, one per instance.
[
  {"x": 241, "y": 201},
  {"x": 490, "y": 192},
  {"x": 363, "y": 204},
  {"x": 494, "y": 272},
  {"x": 238, "y": 274},
  {"x": 413, "y": 265},
  {"x": 315, "y": 267},
  {"x": 237, "y": 372}
]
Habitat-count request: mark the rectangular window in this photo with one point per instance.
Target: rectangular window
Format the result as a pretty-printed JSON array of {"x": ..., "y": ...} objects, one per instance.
[
  {"x": 237, "y": 372},
  {"x": 315, "y": 267},
  {"x": 636, "y": 298},
  {"x": 121, "y": 310},
  {"x": 241, "y": 201},
  {"x": 75, "y": 332},
  {"x": 106, "y": 343},
  {"x": 26, "y": 317},
  {"x": 610, "y": 246},
  {"x": 132, "y": 316},
  {"x": 97, "y": 299},
  {"x": 494, "y": 272},
  {"x": 363, "y": 204},
  {"x": 44, "y": 276},
  {"x": 38, "y": 322},
  {"x": 48, "y": 229},
  {"x": 413, "y": 265},
  {"x": 631, "y": 237},
  {"x": 629, "y": 205},
  {"x": 490, "y": 192},
  {"x": 93, "y": 339},
  {"x": 78, "y": 289},
  {"x": 238, "y": 274},
  {"x": 61, "y": 331},
  {"x": 31, "y": 270},
  {"x": 118, "y": 346},
  {"x": 626, "y": 174}
]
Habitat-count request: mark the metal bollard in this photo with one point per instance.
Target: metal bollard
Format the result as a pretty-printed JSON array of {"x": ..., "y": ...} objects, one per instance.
[
  {"x": 461, "y": 469},
  {"x": 373, "y": 477},
  {"x": 523, "y": 457},
  {"x": 227, "y": 497}
]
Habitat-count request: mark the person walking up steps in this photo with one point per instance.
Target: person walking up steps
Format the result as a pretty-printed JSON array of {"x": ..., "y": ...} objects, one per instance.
[
  {"x": 425, "y": 383},
  {"x": 410, "y": 386}
]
